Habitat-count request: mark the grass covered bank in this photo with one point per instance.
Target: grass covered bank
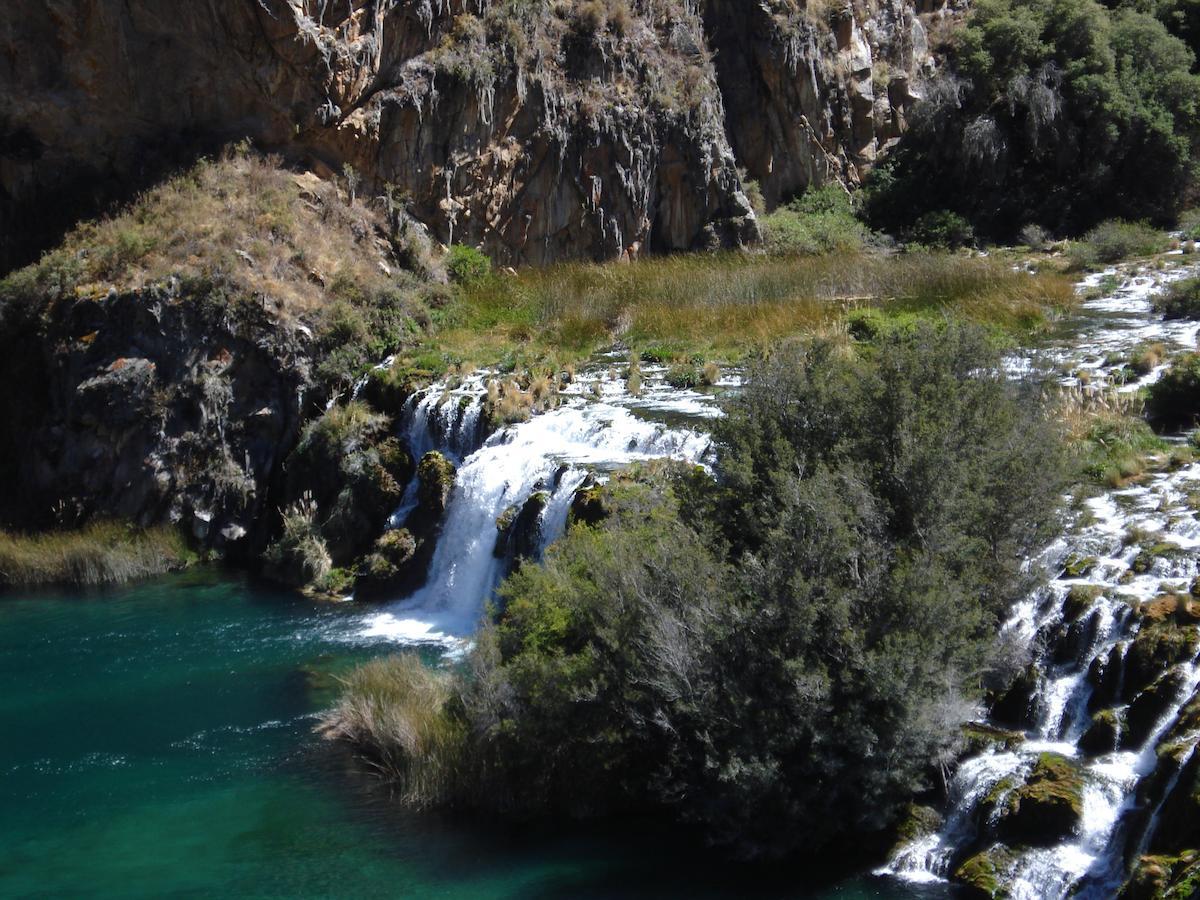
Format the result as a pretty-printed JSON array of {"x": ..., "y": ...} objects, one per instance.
[
  {"x": 721, "y": 307},
  {"x": 97, "y": 554},
  {"x": 779, "y": 654}
]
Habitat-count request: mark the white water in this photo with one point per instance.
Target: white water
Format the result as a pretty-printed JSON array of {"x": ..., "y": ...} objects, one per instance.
[
  {"x": 598, "y": 427},
  {"x": 1090, "y": 862}
]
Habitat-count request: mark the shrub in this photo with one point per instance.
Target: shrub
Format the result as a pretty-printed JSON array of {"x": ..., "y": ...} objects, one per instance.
[
  {"x": 781, "y": 654},
  {"x": 466, "y": 265},
  {"x": 822, "y": 220},
  {"x": 1174, "y": 400},
  {"x": 1114, "y": 240},
  {"x": 1051, "y": 112},
  {"x": 1034, "y": 237},
  {"x": 943, "y": 228},
  {"x": 1181, "y": 300},
  {"x": 299, "y": 557}
]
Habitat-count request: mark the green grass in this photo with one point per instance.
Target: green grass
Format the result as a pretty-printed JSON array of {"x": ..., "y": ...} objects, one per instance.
[
  {"x": 1181, "y": 300},
  {"x": 1112, "y": 441},
  {"x": 99, "y": 553},
  {"x": 720, "y": 307}
]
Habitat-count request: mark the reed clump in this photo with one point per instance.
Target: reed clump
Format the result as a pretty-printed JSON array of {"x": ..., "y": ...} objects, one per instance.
[
  {"x": 393, "y": 711},
  {"x": 97, "y": 554}
]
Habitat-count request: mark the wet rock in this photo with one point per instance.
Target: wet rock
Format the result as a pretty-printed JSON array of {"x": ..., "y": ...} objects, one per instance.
[
  {"x": 1164, "y": 878},
  {"x": 1079, "y": 599},
  {"x": 1157, "y": 646},
  {"x": 986, "y": 874},
  {"x": 1047, "y": 807},
  {"x": 1014, "y": 706},
  {"x": 1150, "y": 706},
  {"x": 1105, "y": 675},
  {"x": 436, "y": 475},
  {"x": 518, "y": 529},
  {"x": 1103, "y": 734},
  {"x": 589, "y": 506},
  {"x": 391, "y": 570}
]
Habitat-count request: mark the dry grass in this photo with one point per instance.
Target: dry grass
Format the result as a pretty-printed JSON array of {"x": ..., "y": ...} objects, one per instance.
[
  {"x": 277, "y": 234},
  {"x": 99, "y": 553},
  {"x": 394, "y": 711},
  {"x": 1112, "y": 440},
  {"x": 724, "y": 306}
]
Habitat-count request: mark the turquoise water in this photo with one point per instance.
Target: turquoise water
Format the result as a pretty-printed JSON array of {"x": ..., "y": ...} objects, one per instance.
[{"x": 157, "y": 741}]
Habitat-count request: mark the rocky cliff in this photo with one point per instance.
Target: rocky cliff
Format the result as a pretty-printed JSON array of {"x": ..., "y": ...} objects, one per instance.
[{"x": 537, "y": 130}]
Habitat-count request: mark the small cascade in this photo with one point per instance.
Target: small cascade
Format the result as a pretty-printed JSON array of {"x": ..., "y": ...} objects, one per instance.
[
  {"x": 597, "y": 427},
  {"x": 1093, "y": 707}
]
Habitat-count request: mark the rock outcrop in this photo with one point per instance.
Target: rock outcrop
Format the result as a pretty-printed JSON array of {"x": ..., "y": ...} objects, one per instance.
[
  {"x": 815, "y": 92},
  {"x": 538, "y": 131}
]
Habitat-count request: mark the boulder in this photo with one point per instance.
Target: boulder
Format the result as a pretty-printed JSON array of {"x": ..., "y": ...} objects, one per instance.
[{"x": 1047, "y": 807}]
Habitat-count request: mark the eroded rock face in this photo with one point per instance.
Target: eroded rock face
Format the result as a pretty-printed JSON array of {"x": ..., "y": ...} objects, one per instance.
[
  {"x": 155, "y": 406},
  {"x": 815, "y": 92},
  {"x": 536, "y": 132}
]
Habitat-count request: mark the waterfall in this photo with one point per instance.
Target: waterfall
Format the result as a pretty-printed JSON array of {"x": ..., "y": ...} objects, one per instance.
[
  {"x": 1078, "y": 636},
  {"x": 597, "y": 427}
]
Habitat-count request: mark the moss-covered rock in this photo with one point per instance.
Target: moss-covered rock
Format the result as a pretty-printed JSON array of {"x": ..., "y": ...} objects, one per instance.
[
  {"x": 1165, "y": 878},
  {"x": 1148, "y": 555},
  {"x": 1047, "y": 807},
  {"x": 1103, "y": 734},
  {"x": 980, "y": 736},
  {"x": 389, "y": 569},
  {"x": 1157, "y": 646},
  {"x": 589, "y": 506},
  {"x": 1079, "y": 599},
  {"x": 986, "y": 873},
  {"x": 436, "y": 475},
  {"x": 916, "y": 822},
  {"x": 1076, "y": 566}
]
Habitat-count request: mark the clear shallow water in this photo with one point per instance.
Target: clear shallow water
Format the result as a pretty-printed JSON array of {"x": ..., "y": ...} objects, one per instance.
[{"x": 156, "y": 742}]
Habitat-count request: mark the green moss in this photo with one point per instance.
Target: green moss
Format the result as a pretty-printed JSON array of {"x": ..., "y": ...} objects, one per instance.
[
  {"x": 1047, "y": 806},
  {"x": 980, "y": 736},
  {"x": 1078, "y": 600},
  {"x": 1076, "y": 566},
  {"x": 986, "y": 872}
]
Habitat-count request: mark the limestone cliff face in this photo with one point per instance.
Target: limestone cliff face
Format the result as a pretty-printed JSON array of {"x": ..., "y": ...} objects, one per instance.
[
  {"x": 538, "y": 131},
  {"x": 816, "y": 92}
]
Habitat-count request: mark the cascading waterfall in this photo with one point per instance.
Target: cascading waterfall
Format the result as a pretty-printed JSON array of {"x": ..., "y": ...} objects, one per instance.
[
  {"x": 1082, "y": 626},
  {"x": 597, "y": 427}
]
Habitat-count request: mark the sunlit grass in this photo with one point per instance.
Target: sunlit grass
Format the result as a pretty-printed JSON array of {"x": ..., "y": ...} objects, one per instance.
[
  {"x": 725, "y": 306},
  {"x": 99, "y": 553}
]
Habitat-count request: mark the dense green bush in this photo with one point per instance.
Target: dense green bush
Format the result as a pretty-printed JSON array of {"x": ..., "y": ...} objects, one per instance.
[
  {"x": 466, "y": 265},
  {"x": 1058, "y": 112},
  {"x": 819, "y": 221},
  {"x": 943, "y": 228},
  {"x": 1181, "y": 300},
  {"x": 1174, "y": 400},
  {"x": 1114, "y": 240},
  {"x": 789, "y": 676}
]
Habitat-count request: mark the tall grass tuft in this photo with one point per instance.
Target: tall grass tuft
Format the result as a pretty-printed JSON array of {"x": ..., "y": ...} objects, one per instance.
[
  {"x": 97, "y": 554},
  {"x": 394, "y": 711}
]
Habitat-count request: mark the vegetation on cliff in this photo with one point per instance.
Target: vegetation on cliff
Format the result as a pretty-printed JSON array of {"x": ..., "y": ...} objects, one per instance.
[
  {"x": 1057, "y": 112},
  {"x": 780, "y": 654}
]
